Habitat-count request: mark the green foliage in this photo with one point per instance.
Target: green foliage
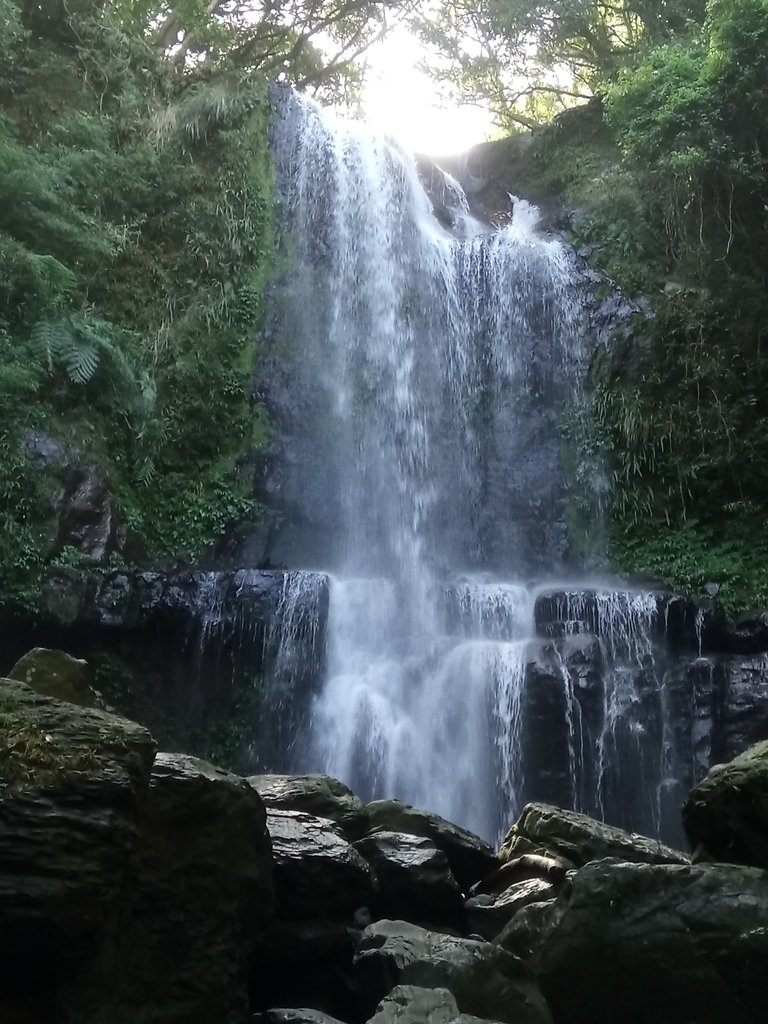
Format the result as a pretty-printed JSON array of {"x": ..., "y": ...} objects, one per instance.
[
  {"x": 528, "y": 60},
  {"x": 733, "y": 556},
  {"x": 226, "y": 741},
  {"x": 310, "y": 43},
  {"x": 135, "y": 241},
  {"x": 687, "y": 121},
  {"x": 671, "y": 197}
]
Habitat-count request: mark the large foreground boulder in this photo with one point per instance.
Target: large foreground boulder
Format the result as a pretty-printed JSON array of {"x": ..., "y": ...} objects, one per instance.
[
  {"x": 553, "y": 832},
  {"x": 203, "y": 898},
  {"x": 485, "y": 980},
  {"x": 315, "y": 794},
  {"x": 470, "y": 858},
  {"x": 726, "y": 814},
  {"x": 658, "y": 944},
  {"x": 73, "y": 784},
  {"x": 128, "y": 891}
]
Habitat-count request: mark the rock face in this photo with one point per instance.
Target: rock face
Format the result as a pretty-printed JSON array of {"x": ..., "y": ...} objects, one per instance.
[
  {"x": 57, "y": 674},
  {"x": 484, "y": 979},
  {"x": 469, "y": 857},
  {"x": 319, "y": 795},
  {"x": 85, "y": 517},
  {"x": 726, "y": 815},
  {"x": 180, "y": 651},
  {"x": 127, "y": 892},
  {"x": 551, "y": 831},
  {"x": 743, "y": 693},
  {"x": 413, "y": 880},
  {"x": 749, "y": 633},
  {"x": 658, "y": 944}
]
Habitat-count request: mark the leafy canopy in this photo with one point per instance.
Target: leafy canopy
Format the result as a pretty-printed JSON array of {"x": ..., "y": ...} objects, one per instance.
[{"x": 528, "y": 60}]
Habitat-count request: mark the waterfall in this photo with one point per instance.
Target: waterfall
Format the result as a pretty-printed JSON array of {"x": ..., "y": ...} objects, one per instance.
[{"x": 420, "y": 366}]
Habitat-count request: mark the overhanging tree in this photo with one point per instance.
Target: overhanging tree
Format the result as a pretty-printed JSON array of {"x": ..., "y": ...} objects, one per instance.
[{"x": 527, "y": 59}]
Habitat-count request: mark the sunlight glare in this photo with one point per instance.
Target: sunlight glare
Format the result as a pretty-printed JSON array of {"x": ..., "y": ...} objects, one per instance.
[{"x": 404, "y": 102}]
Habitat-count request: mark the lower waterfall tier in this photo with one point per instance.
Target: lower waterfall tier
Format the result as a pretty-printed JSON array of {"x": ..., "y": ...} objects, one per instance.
[{"x": 607, "y": 701}]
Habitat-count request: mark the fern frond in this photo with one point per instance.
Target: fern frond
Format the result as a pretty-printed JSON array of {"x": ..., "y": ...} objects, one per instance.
[
  {"x": 145, "y": 471},
  {"x": 80, "y": 361},
  {"x": 52, "y": 339},
  {"x": 54, "y": 280}
]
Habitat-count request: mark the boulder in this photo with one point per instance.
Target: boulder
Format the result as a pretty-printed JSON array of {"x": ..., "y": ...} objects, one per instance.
[
  {"x": 315, "y": 794},
  {"x": 293, "y": 1016},
  {"x": 488, "y": 915},
  {"x": 408, "y": 1004},
  {"x": 554, "y": 832},
  {"x": 73, "y": 783},
  {"x": 317, "y": 872},
  {"x": 56, "y": 674},
  {"x": 203, "y": 897},
  {"x": 658, "y": 944},
  {"x": 413, "y": 879},
  {"x": 469, "y": 857},
  {"x": 522, "y": 935},
  {"x": 485, "y": 980},
  {"x": 726, "y": 814}
]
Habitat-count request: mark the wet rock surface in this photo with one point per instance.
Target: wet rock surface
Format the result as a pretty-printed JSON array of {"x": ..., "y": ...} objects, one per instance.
[
  {"x": 301, "y": 1015},
  {"x": 319, "y": 795},
  {"x": 485, "y": 980},
  {"x": 469, "y": 857},
  {"x": 488, "y": 915},
  {"x": 128, "y": 889},
  {"x": 409, "y": 1004},
  {"x": 203, "y": 895},
  {"x": 317, "y": 872},
  {"x": 659, "y": 943},
  {"x": 413, "y": 879},
  {"x": 554, "y": 832}
]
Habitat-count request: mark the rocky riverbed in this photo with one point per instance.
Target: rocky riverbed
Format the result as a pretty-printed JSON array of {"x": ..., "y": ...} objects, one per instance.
[{"x": 137, "y": 885}]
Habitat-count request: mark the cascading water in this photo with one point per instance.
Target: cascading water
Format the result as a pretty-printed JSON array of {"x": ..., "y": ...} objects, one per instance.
[{"x": 424, "y": 369}]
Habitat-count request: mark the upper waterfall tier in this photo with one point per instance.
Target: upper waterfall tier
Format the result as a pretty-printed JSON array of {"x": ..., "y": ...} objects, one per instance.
[{"x": 423, "y": 368}]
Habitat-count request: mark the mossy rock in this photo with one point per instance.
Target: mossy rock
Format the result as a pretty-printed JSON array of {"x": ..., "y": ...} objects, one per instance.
[
  {"x": 45, "y": 741},
  {"x": 726, "y": 814},
  {"x": 57, "y": 674}
]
